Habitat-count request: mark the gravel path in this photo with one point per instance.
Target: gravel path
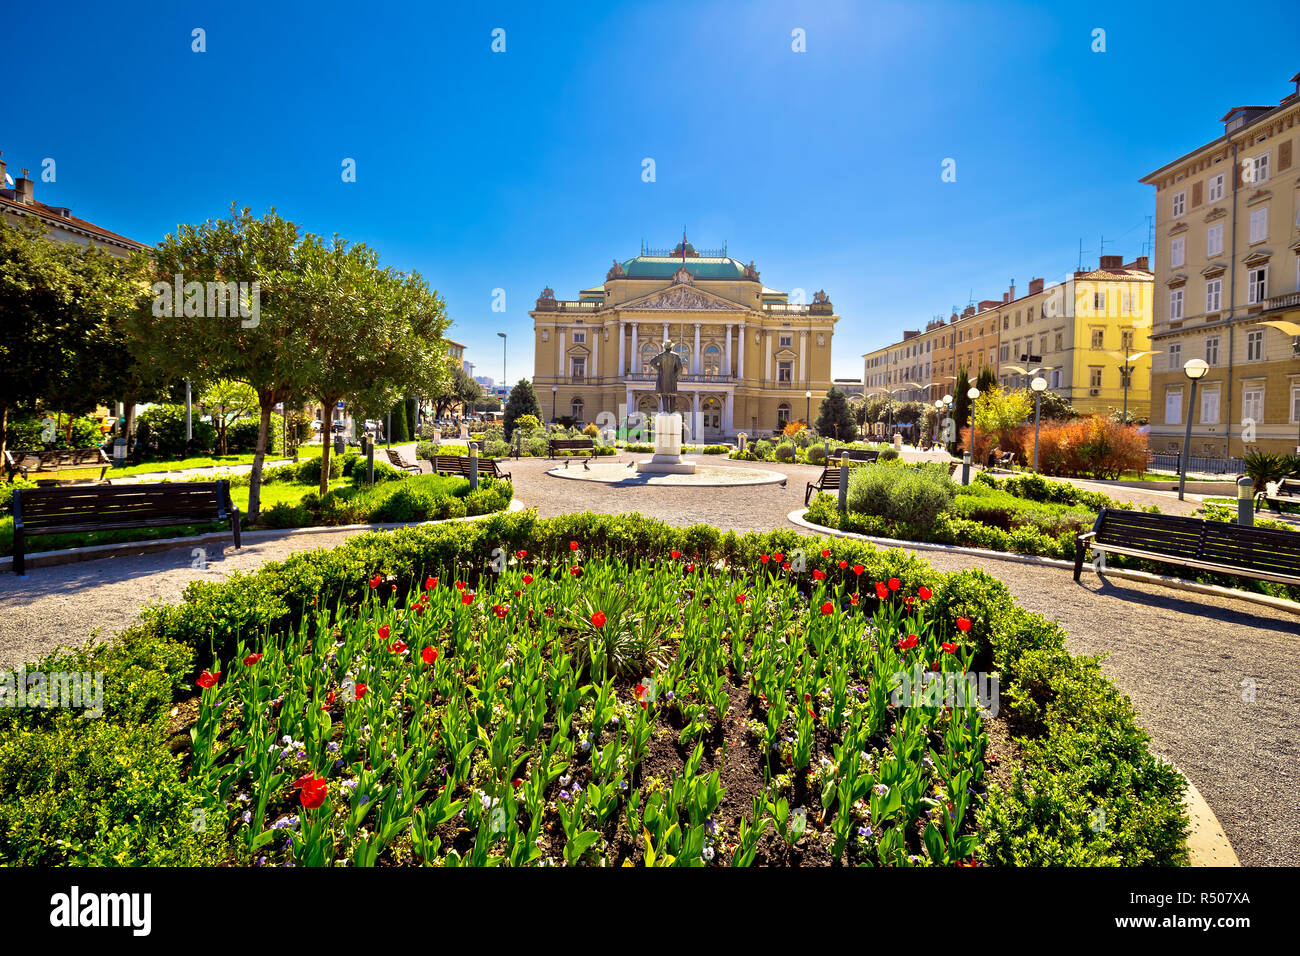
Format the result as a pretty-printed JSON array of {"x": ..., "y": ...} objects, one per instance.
[{"x": 1187, "y": 661}]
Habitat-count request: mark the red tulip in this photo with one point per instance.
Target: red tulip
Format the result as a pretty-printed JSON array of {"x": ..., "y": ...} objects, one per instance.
[
  {"x": 924, "y": 593},
  {"x": 313, "y": 792},
  {"x": 826, "y": 553},
  {"x": 909, "y": 643},
  {"x": 598, "y": 619},
  {"x": 360, "y": 691},
  {"x": 573, "y": 546},
  {"x": 430, "y": 583},
  {"x": 429, "y": 654},
  {"x": 853, "y": 599},
  {"x": 520, "y": 555},
  {"x": 252, "y": 659},
  {"x": 207, "y": 680},
  {"x": 818, "y": 575},
  {"x": 500, "y": 610},
  {"x": 843, "y": 565},
  {"x": 779, "y": 556},
  {"x": 376, "y": 581},
  {"x": 740, "y": 599},
  {"x": 858, "y": 569},
  {"x": 690, "y": 567},
  {"x": 963, "y": 624},
  {"x": 828, "y": 608},
  {"x": 517, "y": 782},
  {"x": 882, "y": 592},
  {"x": 383, "y": 632},
  {"x": 467, "y": 597},
  {"x": 895, "y": 584},
  {"x": 576, "y": 571},
  {"x": 528, "y": 579},
  {"x": 675, "y": 554},
  {"x": 785, "y": 566},
  {"x": 640, "y": 692},
  {"x": 763, "y": 558},
  {"x": 397, "y": 647},
  {"x": 949, "y": 648}
]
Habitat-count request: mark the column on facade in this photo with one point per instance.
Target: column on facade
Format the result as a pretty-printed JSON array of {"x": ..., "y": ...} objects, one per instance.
[
  {"x": 594, "y": 371},
  {"x": 768, "y": 350},
  {"x": 803, "y": 357},
  {"x": 697, "y": 432},
  {"x": 559, "y": 352},
  {"x": 726, "y": 368},
  {"x": 622, "y": 355},
  {"x": 695, "y": 353},
  {"x": 740, "y": 358},
  {"x": 728, "y": 412},
  {"x": 636, "y": 352}
]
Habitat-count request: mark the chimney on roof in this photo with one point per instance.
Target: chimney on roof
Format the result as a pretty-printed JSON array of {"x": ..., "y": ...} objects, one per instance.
[
  {"x": 1011, "y": 296},
  {"x": 1141, "y": 262},
  {"x": 969, "y": 310},
  {"x": 1112, "y": 262},
  {"x": 2, "y": 171},
  {"x": 1035, "y": 286},
  {"x": 23, "y": 188}
]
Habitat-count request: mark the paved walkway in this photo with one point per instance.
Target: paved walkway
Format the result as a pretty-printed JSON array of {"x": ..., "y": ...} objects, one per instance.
[{"x": 1213, "y": 681}]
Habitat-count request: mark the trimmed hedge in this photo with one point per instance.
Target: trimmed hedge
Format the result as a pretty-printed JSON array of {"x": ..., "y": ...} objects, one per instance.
[{"x": 1083, "y": 751}]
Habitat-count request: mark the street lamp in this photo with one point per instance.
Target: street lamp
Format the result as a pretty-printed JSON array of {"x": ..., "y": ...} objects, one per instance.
[
  {"x": 1195, "y": 370},
  {"x": 1126, "y": 370},
  {"x": 807, "y": 417},
  {"x": 972, "y": 393},
  {"x": 1293, "y": 330},
  {"x": 1039, "y": 385},
  {"x": 554, "y": 398},
  {"x": 503, "y": 357}
]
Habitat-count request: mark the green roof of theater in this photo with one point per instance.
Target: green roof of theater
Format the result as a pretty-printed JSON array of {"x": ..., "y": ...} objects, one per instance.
[{"x": 702, "y": 267}]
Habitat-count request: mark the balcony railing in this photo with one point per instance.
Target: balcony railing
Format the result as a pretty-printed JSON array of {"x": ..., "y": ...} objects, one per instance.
[{"x": 1289, "y": 301}]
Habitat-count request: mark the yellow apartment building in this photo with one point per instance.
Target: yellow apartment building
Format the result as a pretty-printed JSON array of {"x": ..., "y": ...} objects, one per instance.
[
  {"x": 1228, "y": 263},
  {"x": 1076, "y": 332},
  {"x": 753, "y": 360}
]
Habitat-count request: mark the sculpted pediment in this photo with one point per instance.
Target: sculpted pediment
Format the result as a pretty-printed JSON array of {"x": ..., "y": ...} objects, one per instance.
[{"x": 682, "y": 298}]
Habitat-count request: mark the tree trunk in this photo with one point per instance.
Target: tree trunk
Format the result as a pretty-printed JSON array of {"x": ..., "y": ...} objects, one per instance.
[
  {"x": 327, "y": 441},
  {"x": 4, "y": 428},
  {"x": 267, "y": 402}
]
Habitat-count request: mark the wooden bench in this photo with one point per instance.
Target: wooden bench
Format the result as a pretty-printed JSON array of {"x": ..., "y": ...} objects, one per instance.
[
  {"x": 1260, "y": 553},
  {"x": 1006, "y": 461},
  {"x": 418, "y": 467},
  {"x": 830, "y": 476},
  {"x": 867, "y": 455},
  {"x": 459, "y": 465},
  {"x": 570, "y": 444},
  {"x": 42, "y": 511},
  {"x": 1286, "y": 491},
  {"x": 27, "y": 463}
]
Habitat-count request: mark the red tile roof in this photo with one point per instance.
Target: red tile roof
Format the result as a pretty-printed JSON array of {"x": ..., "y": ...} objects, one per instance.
[{"x": 53, "y": 216}]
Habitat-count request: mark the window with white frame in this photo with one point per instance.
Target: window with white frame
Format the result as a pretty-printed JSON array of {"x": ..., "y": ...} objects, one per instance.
[
  {"x": 1056, "y": 378},
  {"x": 1176, "y": 304},
  {"x": 1214, "y": 188},
  {"x": 1257, "y": 285},
  {"x": 784, "y": 371},
  {"x": 1255, "y": 169},
  {"x": 1099, "y": 301},
  {"x": 1174, "y": 406},
  {"x": 1259, "y": 224},
  {"x": 1252, "y": 404},
  {"x": 1177, "y": 252},
  {"x": 1098, "y": 338},
  {"x": 1210, "y": 406},
  {"x": 1175, "y": 356},
  {"x": 1212, "y": 350},
  {"x": 1295, "y": 404},
  {"x": 577, "y": 409},
  {"x": 1214, "y": 240},
  {"x": 1213, "y": 295},
  {"x": 785, "y": 340},
  {"x": 578, "y": 366},
  {"x": 1126, "y": 339},
  {"x": 1178, "y": 204},
  {"x": 579, "y": 338}
]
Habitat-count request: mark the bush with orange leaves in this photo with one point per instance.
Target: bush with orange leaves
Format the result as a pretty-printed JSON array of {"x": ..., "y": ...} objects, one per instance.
[
  {"x": 793, "y": 428},
  {"x": 1093, "y": 447}
]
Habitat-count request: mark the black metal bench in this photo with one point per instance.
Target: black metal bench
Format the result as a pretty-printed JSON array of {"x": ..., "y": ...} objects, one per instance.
[
  {"x": 1286, "y": 491},
  {"x": 43, "y": 511},
  {"x": 570, "y": 444},
  {"x": 27, "y": 463},
  {"x": 1249, "y": 552},
  {"x": 867, "y": 455},
  {"x": 459, "y": 465},
  {"x": 1007, "y": 461}
]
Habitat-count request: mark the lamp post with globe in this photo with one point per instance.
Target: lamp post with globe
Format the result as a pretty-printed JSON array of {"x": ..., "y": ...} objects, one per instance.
[
  {"x": 1195, "y": 370},
  {"x": 1038, "y": 385}
]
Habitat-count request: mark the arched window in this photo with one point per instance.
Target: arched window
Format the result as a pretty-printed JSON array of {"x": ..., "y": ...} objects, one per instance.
[
  {"x": 648, "y": 352},
  {"x": 712, "y": 360},
  {"x": 783, "y": 414},
  {"x": 576, "y": 409}
]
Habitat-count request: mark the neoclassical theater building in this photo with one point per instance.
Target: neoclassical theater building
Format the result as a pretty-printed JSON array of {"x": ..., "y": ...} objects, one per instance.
[{"x": 752, "y": 360}]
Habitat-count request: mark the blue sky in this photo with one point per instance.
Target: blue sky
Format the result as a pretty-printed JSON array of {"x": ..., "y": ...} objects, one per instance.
[{"x": 523, "y": 169}]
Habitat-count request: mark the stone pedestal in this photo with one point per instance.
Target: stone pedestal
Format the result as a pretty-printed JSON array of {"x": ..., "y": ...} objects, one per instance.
[{"x": 667, "y": 459}]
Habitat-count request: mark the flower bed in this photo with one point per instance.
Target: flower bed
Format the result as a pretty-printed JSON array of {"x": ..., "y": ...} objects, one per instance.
[{"x": 592, "y": 689}]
